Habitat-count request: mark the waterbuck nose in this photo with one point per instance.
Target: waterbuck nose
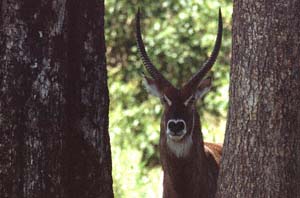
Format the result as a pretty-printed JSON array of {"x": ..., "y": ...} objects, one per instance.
[{"x": 176, "y": 126}]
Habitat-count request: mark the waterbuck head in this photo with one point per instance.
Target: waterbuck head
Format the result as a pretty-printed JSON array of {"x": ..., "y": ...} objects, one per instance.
[{"x": 180, "y": 115}]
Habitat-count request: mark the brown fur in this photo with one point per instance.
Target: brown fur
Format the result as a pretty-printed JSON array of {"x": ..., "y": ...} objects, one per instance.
[
  {"x": 213, "y": 149},
  {"x": 195, "y": 175}
]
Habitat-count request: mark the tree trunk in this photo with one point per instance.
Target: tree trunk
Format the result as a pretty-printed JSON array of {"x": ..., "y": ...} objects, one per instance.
[
  {"x": 262, "y": 141},
  {"x": 54, "y": 100}
]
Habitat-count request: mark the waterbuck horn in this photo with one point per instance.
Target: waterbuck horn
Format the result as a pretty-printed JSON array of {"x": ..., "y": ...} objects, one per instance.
[
  {"x": 155, "y": 74},
  {"x": 193, "y": 83}
]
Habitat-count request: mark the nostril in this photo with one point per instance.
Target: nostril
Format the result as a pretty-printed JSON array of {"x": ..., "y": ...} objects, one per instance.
[{"x": 176, "y": 126}]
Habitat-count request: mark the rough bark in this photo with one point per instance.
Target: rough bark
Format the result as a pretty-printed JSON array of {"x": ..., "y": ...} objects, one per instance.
[
  {"x": 54, "y": 100},
  {"x": 262, "y": 141}
]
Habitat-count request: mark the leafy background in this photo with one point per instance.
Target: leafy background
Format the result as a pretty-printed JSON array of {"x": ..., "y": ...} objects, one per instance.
[{"x": 179, "y": 36}]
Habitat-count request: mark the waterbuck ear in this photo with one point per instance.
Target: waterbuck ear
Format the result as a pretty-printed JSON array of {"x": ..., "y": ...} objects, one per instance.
[
  {"x": 151, "y": 86},
  {"x": 203, "y": 87}
]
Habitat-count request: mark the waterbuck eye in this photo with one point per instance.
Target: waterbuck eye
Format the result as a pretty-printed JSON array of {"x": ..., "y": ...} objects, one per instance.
[
  {"x": 166, "y": 100},
  {"x": 190, "y": 100}
]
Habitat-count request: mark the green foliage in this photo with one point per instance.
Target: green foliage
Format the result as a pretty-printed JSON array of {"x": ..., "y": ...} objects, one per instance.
[{"x": 179, "y": 36}]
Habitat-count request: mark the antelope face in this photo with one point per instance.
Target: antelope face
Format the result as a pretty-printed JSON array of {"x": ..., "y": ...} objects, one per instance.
[{"x": 179, "y": 108}]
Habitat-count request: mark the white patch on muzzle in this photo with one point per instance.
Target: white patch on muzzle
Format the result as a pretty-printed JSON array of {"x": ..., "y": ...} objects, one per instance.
[
  {"x": 174, "y": 137},
  {"x": 182, "y": 148}
]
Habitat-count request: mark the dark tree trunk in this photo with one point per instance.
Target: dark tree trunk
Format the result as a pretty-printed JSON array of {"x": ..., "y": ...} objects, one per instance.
[
  {"x": 54, "y": 100},
  {"x": 261, "y": 156}
]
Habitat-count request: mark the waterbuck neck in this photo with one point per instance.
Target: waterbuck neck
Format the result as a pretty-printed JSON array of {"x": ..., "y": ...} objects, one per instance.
[{"x": 187, "y": 176}]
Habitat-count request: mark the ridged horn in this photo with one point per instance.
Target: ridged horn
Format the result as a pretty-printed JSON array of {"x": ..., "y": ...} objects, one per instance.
[
  {"x": 155, "y": 74},
  {"x": 193, "y": 83}
]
